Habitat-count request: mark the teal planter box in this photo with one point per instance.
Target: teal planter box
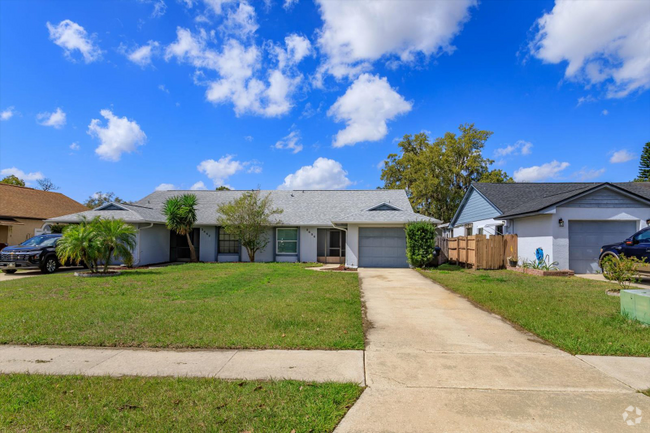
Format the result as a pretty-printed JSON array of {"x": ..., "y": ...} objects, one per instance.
[{"x": 636, "y": 304}]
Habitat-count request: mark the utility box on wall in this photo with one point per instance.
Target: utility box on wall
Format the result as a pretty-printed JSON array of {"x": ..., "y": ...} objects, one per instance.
[{"x": 636, "y": 304}]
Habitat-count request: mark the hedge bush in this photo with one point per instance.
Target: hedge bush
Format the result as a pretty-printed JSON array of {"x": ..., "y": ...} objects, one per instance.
[{"x": 420, "y": 243}]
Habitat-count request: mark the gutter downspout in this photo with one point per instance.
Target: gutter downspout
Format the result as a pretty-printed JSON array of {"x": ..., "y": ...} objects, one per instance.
[{"x": 137, "y": 249}]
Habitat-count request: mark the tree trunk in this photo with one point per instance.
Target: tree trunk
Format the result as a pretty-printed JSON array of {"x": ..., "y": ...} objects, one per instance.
[
  {"x": 107, "y": 259},
  {"x": 192, "y": 250},
  {"x": 251, "y": 254}
]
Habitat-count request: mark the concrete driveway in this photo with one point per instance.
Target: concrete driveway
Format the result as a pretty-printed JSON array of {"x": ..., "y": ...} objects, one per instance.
[
  {"x": 33, "y": 273},
  {"x": 436, "y": 363}
]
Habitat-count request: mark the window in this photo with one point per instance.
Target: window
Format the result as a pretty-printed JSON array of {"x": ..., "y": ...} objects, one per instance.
[
  {"x": 468, "y": 230},
  {"x": 228, "y": 244},
  {"x": 286, "y": 241},
  {"x": 480, "y": 231},
  {"x": 498, "y": 230},
  {"x": 643, "y": 237}
]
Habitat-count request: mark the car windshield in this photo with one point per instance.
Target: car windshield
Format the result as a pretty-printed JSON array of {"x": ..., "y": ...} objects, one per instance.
[{"x": 40, "y": 241}]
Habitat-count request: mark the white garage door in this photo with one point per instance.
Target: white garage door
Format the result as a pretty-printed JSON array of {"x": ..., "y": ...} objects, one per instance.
[
  {"x": 381, "y": 247},
  {"x": 586, "y": 238}
]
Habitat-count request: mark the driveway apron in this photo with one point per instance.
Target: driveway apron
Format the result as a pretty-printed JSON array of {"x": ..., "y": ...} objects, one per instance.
[{"x": 437, "y": 363}]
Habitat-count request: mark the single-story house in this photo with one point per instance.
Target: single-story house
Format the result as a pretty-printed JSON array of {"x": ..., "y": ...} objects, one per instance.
[
  {"x": 23, "y": 211},
  {"x": 352, "y": 227},
  {"x": 569, "y": 221}
]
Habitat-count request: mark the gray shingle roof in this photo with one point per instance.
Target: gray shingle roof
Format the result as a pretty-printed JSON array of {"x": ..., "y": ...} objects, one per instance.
[
  {"x": 523, "y": 198},
  {"x": 309, "y": 207},
  {"x": 383, "y": 216}
]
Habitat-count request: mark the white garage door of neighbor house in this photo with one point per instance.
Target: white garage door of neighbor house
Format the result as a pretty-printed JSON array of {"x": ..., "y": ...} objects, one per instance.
[
  {"x": 586, "y": 238},
  {"x": 382, "y": 247}
]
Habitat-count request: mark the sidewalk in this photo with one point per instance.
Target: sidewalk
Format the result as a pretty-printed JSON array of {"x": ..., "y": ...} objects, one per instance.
[{"x": 306, "y": 365}]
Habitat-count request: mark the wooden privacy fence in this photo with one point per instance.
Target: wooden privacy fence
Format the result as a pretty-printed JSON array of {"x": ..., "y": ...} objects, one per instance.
[{"x": 480, "y": 251}]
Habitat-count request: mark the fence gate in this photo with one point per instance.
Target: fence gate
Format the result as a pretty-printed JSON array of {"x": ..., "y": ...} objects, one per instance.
[{"x": 481, "y": 252}]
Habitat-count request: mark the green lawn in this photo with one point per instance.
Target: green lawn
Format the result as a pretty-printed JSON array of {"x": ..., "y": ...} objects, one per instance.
[
  {"x": 62, "y": 403},
  {"x": 237, "y": 305},
  {"x": 574, "y": 314}
]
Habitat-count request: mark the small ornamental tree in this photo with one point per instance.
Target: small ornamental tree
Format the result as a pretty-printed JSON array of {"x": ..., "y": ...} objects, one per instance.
[
  {"x": 80, "y": 243},
  {"x": 624, "y": 270},
  {"x": 420, "y": 243},
  {"x": 13, "y": 180},
  {"x": 116, "y": 238},
  {"x": 180, "y": 212},
  {"x": 247, "y": 218}
]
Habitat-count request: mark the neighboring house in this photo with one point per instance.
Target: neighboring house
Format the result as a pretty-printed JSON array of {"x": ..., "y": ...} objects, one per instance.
[
  {"x": 23, "y": 211},
  {"x": 357, "y": 228},
  {"x": 569, "y": 221}
]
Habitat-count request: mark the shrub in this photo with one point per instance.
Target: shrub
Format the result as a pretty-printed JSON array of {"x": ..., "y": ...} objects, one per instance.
[
  {"x": 420, "y": 243},
  {"x": 623, "y": 270}
]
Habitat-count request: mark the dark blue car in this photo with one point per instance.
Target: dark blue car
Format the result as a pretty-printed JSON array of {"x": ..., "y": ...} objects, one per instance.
[
  {"x": 637, "y": 245},
  {"x": 38, "y": 252}
]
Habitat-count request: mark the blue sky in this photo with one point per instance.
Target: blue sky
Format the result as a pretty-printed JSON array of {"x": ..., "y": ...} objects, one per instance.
[{"x": 127, "y": 96}]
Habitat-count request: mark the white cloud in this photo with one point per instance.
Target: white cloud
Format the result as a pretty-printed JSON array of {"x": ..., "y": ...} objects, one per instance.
[
  {"x": 162, "y": 88},
  {"x": 71, "y": 36},
  {"x": 215, "y": 6},
  {"x": 248, "y": 138},
  {"x": 241, "y": 21},
  {"x": 237, "y": 66},
  {"x": 159, "y": 9},
  {"x": 290, "y": 142},
  {"x": 357, "y": 32},
  {"x": 536, "y": 173},
  {"x": 8, "y": 113},
  {"x": 621, "y": 156},
  {"x": 121, "y": 135},
  {"x": 298, "y": 47},
  {"x": 603, "y": 41},
  {"x": 586, "y": 174},
  {"x": 221, "y": 169},
  {"x": 56, "y": 119},
  {"x": 323, "y": 174},
  {"x": 165, "y": 187},
  {"x": 75, "y": 146},
  {"x": 605, "y": 112},
  {"x": 27, "y": 177},
  {"x": 288, "y": 4},
  {"x": 520, "y": 147},
  {"x": 141, "y": 56},
  {"x": 366, "y": 107},
  {"x": 255, "y": 169},
  {"x": 198, "y": 186}
]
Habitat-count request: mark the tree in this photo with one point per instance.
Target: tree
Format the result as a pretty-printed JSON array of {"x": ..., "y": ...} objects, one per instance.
[
  {"x": 80, "y": 243},
  {"x": 47, "y": 185},
  {"x": 644, "y": 165},
  {"x": 100, "y": 198},
  {"x": 222, "y": 188},
  {"x": 116, "y": 237},
  {"x": 496, "y": 176},
  {"x": 437, "y": 175},
  {"x": 247, "y": 218},
  {"x": 13, "y": 180},
  {"x": 420, "y": 243},
  {"x": 181, "y": 217}
]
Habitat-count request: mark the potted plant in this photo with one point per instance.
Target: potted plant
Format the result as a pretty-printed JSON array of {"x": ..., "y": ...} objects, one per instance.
[{"x": 513, "y": 260}]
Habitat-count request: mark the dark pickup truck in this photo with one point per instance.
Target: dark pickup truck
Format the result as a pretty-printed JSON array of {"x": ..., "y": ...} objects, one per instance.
[
  {"x": 637, "y": 245},
  {"x": 35, "y": 253}
]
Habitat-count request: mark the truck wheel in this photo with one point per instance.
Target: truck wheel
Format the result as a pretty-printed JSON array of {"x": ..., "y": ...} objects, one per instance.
[
  {"x": 49, "y": 265},
  {"x": 9, "y": 271}
]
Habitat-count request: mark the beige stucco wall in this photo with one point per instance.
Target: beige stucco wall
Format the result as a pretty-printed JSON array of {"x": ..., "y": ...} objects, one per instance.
[{"x": 19, "y": 233}]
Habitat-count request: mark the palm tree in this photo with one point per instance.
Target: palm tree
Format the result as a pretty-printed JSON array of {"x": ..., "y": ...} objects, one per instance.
[
  {"x": 181, "y": 217},
  {"x": 79, "y": 243},
  {"x": 116, "y": 237}
]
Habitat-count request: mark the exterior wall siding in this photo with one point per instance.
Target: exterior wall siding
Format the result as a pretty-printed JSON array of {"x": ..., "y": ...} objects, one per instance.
[
  {"x": 532, "y": 233},
  {"x": 208, "y": 251},
  {"x": 352, "y": 246},
  {"x": 20, "y": 233},
  {"x": 605, "y": 198},
  {"x": 265, "y": 255},
  {"x": 476, "y": 208},
  {"x": 308, "y": 244},
  {"x": 152, "y": 244}
]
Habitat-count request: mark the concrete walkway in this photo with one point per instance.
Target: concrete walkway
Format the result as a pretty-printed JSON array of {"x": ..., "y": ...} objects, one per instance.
[
  {"x": 436, "y": 363},
  {"x": 307, "y": 365}
]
